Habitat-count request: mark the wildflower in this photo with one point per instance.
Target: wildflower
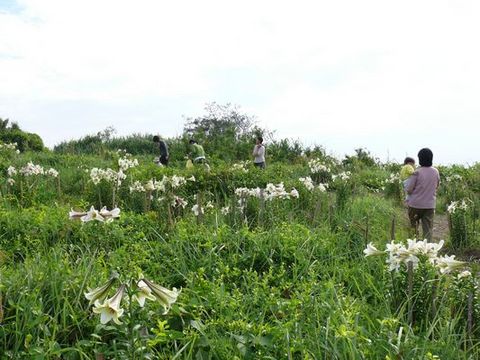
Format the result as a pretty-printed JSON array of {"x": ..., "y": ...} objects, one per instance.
[
  {"x": 149, "y": 186},
  {"x": 191, "y": 178},
  {"x": 137, "y": 187},
  {"x": 31, "y": 169},
  {"x": 10, "y": 181},
  {"x": 322, "y": 187},
  {"x": 316, "y": 166},
  {"x": 100, "y": 292},
  {"x": 447, "y": 264},
  {"x": 110, "y": 309},
  {"x": 372, "y": 251},
  {"x": 178, "y": 201},
  {"x": 92, "y": 214},
  {"x": 225, "y": 210},
  {"x": 52, "y": 172},
  {"x": 294, "y": 193},
  {"x": 166, "y": 297},
  {"x": 76, "y": 214},
  {"x": 143, "y": 293},
  {"x": 109, "y": 215},
  {"x": 464, "y": 274},
  {"x": 197, "y": 210},
  {"x": 11, "y": 171},
  {"x": 307, "y": 182}
]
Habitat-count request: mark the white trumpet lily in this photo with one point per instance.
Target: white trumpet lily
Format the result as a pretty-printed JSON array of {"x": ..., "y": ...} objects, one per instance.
[
  {"x": 110, "y": 309},
  {"x": 166, "y": 297}
]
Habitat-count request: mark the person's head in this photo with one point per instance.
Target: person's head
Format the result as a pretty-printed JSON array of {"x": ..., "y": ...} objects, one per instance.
[
  {"x": 409, "y": 161},
  {"x": 259, "y": 140},
  {"x": 156, "y": 139},
  {"x": 425, "y": 157},
  {"x": 192, "y": 141}
]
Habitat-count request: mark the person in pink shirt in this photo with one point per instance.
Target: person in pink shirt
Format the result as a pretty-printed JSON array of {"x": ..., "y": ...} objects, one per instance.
[{"x": 422, "y": 190}]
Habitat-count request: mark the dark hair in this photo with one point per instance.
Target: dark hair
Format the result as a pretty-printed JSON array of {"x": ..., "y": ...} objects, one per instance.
[
  {"x": 156, "y": 138},
  {"x": 192, "y": 141},
  {"x": 425, "y": 157},
  {"x": 259, "y": 138},
  {"x": 408, "y": 160}
]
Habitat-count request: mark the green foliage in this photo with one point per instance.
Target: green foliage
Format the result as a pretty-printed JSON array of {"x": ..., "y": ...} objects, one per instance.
[
  {"x": 278, "y": 279},
  {"x": 25, "y": 141}
]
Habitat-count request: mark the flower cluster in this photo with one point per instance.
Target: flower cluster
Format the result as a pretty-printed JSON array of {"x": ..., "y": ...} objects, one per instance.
[
  {"x": 393, "y": 179},
  {"x": 344, "y": 176},
  {"x": 199, "y": 210},
  {"x": 9, "y": 146},
  {"x": 29, "y": 170},
  {"x": 270, "y": 192},
  {"x": 454, "y": 177},
  {"x": 172, "y": 182},
  {"x": 241, "y": 166},
  {"x": 316, "y": 166},
  {"x": 457, "y": 205},
  {"x": 108, "y": 175},
  {"x": 142, "y": 289},
  {"x": 413, "y": 252},
  {"x": 102, "y": 215},
  {"x": 308, "y": 183},
  {"x": 127, "y": 162}
]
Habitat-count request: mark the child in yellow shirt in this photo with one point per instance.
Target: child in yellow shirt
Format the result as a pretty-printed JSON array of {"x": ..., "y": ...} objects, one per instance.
[{"x": 406, "y": 172}]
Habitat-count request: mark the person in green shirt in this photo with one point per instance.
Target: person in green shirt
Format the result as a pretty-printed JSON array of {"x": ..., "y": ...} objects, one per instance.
[{"x": 197, "y": 154}]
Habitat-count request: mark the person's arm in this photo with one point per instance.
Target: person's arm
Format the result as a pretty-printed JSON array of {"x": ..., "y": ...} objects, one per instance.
[
  {"x": 255, "y": 150},
  {"x": 412, "y": 183}
]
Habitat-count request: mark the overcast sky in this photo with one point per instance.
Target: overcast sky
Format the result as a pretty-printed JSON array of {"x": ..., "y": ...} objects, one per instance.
[{"x": 390, "y": 76}]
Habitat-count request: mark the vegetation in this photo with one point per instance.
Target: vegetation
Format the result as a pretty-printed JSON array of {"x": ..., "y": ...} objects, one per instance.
[{"x": 255, "y": 264}]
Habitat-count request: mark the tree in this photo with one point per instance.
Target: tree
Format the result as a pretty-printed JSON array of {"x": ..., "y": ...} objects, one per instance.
[{"x": 225, "y": 131}]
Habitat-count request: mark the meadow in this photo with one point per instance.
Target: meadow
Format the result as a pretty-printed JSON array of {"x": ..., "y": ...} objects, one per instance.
[{"x": 109, "y": 256}]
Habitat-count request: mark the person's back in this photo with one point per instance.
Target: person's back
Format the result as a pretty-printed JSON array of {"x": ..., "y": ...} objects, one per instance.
[
  {"x": 163, "y": 149},
  {"x": 197, "y": 151},
  {"x": 162, "y": 145},
  {"x": 422, "y": 188}
]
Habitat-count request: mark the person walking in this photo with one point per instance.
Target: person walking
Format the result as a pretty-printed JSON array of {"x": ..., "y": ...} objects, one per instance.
[
  {"x": 162, "y": 147},
  {"x": 259, "y": 153},
  {"x": 422, "y": 190}
]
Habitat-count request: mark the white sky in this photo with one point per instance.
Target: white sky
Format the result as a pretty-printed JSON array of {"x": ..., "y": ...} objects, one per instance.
[{"x": 390, "y": 76}]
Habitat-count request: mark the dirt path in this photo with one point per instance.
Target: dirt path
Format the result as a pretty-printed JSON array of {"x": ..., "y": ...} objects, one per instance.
[{"x": 440, "y": 227}]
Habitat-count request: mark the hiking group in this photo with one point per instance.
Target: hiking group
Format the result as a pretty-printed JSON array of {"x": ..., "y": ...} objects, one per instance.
[{"x": 196, "y": 153}]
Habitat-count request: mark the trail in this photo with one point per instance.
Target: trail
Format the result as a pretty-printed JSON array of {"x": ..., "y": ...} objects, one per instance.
[{"x": 440, "y": 227}]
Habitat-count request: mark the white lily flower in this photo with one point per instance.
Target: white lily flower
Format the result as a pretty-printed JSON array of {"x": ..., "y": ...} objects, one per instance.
[
  {"x": 150, "y": 186},
  {"x": 178, "y": 201},
  {"x": 110, "y": 309},
  {"x": 464, "y": 274},
  {"x": 76, "y": 214},
  {"x": 10, "y": 181},
  {"x": 372, "y": 251},
  {"x": 110, "y": 214},
  {"x": 225, "y": 210},
  {"x": 197, "y": 210},
  {"x": 92, "y": 214},
  {"x": 294, "y": 193},
  {"x": 447, "y": 264},
  {"x": 100, "y": 292},
  {"x": 166, "y": 297},
  {"x": 143, "y": 293},
  {"x": 11, "y": 171},
  {"x": 191, "y": 178}
]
